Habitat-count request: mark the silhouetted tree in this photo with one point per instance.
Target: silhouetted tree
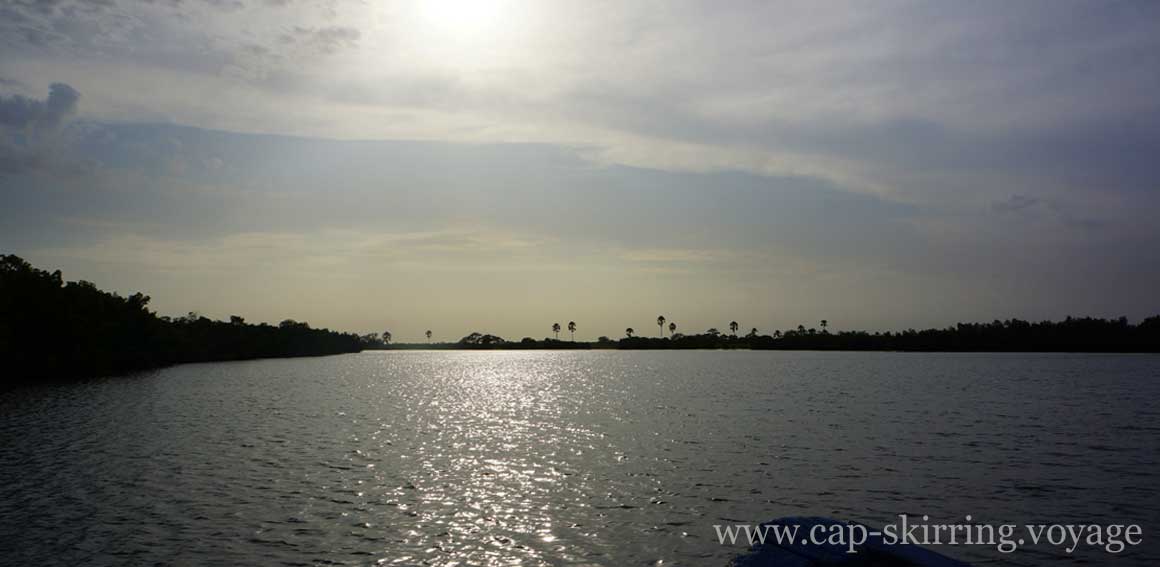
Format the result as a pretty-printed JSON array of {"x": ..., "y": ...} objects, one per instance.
[
  {"x": 572, "y": 329},
  {"x": 481, "y": 340},
  {"x": 96, "y": 333},
  {"x": 672, "y": 329},
  {"x": 428, "y": 333},
  {"x": 661, "y": 324},
  {"x": 733, "y": 326},
  {"x": 556, "y": 330},
  {"x": 50, "y": 328},
  {"x": 386, "y": 337}
]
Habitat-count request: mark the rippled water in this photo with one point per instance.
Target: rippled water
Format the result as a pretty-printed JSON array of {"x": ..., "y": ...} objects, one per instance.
[{"x": 567, "y": 458}]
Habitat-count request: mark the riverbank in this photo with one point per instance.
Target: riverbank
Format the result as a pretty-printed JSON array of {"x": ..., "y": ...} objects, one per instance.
[
  {"x": 1070, "y": 335},
  {"x": 52, "y": 330}
]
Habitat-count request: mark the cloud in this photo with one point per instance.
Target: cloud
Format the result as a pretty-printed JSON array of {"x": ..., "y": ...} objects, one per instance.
[
  {"x": 29, "y": 129},
  {"x": 677, "y": 255},
  {"x": 328, "y": 39},
  {"x": 460, "y": 249},
  {"x": 31, "y": 115},
  {"x": 1014, "y": 204},
  {"x": 924, "y": 137},
  {"x": 226, "y": 39}
]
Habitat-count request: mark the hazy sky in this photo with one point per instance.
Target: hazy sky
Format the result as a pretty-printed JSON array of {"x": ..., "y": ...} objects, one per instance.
[{"x": 499, "y": 165}]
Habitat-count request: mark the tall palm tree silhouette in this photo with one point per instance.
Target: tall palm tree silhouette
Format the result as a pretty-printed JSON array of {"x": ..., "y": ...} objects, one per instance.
[
  {"x": 572, "y": 329},
  {"x": 628, "y": 332},
  {"x": 661, "y": 324},
  {"x": 672, "y": 329},
  {"x": 428, "y": 333},
  {"x": 556, "y": 329},
  {"x": 733, "y": 327},
  {"x": 825, "y": 324}
]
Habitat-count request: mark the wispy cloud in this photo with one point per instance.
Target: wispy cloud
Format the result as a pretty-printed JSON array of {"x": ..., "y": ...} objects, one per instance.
[
  {"x": 734, "y": 151},
  {"x": 839, "y": 92}
]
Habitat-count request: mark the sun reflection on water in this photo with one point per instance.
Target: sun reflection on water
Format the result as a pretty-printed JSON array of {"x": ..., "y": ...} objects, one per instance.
[
  {"x": 550, "y": 458},
  {"x": 496, "y": 459}
]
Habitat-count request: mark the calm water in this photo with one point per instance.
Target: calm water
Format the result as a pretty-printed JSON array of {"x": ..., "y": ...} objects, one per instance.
[{"x": 568, "y": 458}]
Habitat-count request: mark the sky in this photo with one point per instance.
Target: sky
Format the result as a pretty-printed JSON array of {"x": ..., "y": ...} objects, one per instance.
[{"x": 501, "y": 165}]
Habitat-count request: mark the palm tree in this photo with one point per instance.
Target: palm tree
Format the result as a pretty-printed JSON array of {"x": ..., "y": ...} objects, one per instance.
[
  {"x": 672, "y": 329},
  {"x": 572, "y": 329},
  {"x": 628, "y": 332},
  {"x": 386, "y": 337},
  {"x": 428, "y": 333},
  {"x": 556, "y": 329},
  {"x": 733, "y": 327},
  {"x": 825, "y": 324},
  {"x": 661, "y": 324}
]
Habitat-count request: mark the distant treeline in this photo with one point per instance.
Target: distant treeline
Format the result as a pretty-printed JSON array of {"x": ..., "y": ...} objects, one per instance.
[
  {"x": 1073, "y": 334},
  {"x": 52, "y": 329}
]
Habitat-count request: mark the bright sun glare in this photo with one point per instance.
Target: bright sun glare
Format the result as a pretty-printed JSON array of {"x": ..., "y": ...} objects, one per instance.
[{"x": 465, "y": 19}]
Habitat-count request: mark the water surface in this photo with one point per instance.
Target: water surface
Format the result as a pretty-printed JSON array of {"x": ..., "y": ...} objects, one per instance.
[{"x": 568, "y": 458}]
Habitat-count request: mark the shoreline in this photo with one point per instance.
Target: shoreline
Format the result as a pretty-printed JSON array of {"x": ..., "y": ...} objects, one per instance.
[{"x": 454, "y": 347}]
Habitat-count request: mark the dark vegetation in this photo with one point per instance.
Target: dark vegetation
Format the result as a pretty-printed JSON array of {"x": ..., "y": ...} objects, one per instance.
[
  {"x": 50, "y": 329},
  {"x": 1083, "y": 334},
  {"x": 1073, "y": 334}
]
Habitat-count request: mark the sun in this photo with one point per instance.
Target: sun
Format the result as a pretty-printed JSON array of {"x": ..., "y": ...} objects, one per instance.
[
  {"x": 465, "y": 20},
  {"x": 473, "y": 35}
]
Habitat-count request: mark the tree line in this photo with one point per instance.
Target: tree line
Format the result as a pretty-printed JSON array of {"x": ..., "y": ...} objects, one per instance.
[
  {"x": 1073, "y": 334},
  {"x": 52, "y": 329}
]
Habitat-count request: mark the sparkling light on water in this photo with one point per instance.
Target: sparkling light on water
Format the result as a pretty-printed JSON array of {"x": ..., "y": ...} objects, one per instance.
[{"x": 574, "y": 458}]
